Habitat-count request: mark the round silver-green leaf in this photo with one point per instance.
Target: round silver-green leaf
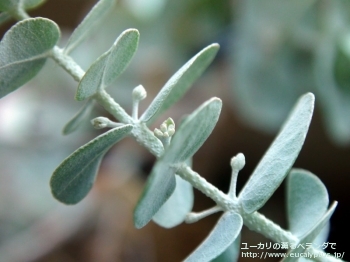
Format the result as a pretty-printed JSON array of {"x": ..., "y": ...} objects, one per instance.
[
  {"x": 311, "y": 235},
  {"x": 220, "y": 238},
  {"x": 159, "y": 187},
  {"x": 179, "y": 204},
  {"x": 74, "y": 177},
  {"x": 110, "y": 65},
  {"x": 23, "y": 51},
  {"x": 279, "y": 158},
  {"x": 307, "y": 201}
]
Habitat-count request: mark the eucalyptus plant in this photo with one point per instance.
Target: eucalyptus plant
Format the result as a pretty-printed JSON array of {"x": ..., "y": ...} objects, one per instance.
[{"x": 167, "y": 198}]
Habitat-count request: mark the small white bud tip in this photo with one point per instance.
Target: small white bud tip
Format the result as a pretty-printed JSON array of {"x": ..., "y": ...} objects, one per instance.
[
  {"x": 171, "y": 130},
  {"x": 158, "y": 133},
  {"x": 170, "y": 122},
  {"x": 100, "y": 122},
  {"x": 163, "y": 127},
  {"x": 139, "y": 93},
  {"x": 238, "y": 162}
]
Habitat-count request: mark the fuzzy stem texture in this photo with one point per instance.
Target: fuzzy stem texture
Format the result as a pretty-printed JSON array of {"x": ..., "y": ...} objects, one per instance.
[
  {"x": 254, "y": 221},
  {"x": 112, "y": 107},
  {"x": 72, "y": 68},
  {"x": 67, "y": 63},
  {"x": 142, "y": 134}
]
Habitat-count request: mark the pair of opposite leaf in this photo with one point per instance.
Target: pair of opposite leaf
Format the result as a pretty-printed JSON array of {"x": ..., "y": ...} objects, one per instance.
[
  {"x": 271, "y": 171},
  {"x": 307, "y": 202},
  {"x": 265, "y": 179},
  {"x": 169, "y": 94}
]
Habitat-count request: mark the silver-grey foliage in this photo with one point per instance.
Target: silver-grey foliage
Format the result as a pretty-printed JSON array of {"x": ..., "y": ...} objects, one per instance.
[{"x": 167, "y": 197}]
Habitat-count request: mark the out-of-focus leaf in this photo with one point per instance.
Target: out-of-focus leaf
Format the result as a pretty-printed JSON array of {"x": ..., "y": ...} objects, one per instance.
[
  {"x": 109, "y": 65},
  {"x": 10, "y": 5},
  {"x": 341, "y": 70},
  {"x": 187, "y": 140},
  {"x": 6, "y": 5},
  {"x": 232, "y": 253},
  {"x": 74, "y": 177},
  {"x": 311, "y": 235},
  {"x": 180, "y": 82},
  {"x": 76, "y": 121},
  {"x": 31, "y": 3},
  {"x": 269, "y": 70},
  {"x": 4, "y": 17},
  {"x": 279, "y": 158},
  {"x": 91, "y": 20},
  {"x": 179, "y": 204},
  {"x": 23, "y": 51},
  {"x": 332, "y": 92},
  {"x": 307, "y": 201},
  {"x": 146, "y": 10},
  {"x": 220, "y": 238}
]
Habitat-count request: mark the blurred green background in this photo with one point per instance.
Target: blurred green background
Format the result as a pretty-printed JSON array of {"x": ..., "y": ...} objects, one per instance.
[{"x": 271, "y": 53}]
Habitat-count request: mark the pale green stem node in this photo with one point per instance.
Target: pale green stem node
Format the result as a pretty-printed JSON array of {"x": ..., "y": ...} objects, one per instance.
[{"x": 112, "y": 107}]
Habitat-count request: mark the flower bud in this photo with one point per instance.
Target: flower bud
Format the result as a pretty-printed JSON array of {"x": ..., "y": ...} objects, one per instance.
[
  {"x": 100, "y": 122},
  {"x": 238, "y": 162},
  {"x": 139, "y": 93}
]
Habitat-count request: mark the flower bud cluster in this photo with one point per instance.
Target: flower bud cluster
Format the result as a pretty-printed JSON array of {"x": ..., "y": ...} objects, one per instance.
[{"x": 166, "y": 130}]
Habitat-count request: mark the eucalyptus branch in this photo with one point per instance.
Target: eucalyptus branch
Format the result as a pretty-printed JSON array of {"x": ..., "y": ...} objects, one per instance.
[
  {"x": 112, "y": 107},
  {"x": 254, "y": 221},
  {"x": 197, "y": 181},
  {"x": 168, "y": 194},
  {"x": 67, "y": 63},
  {"x": 141, "y": 132}
]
